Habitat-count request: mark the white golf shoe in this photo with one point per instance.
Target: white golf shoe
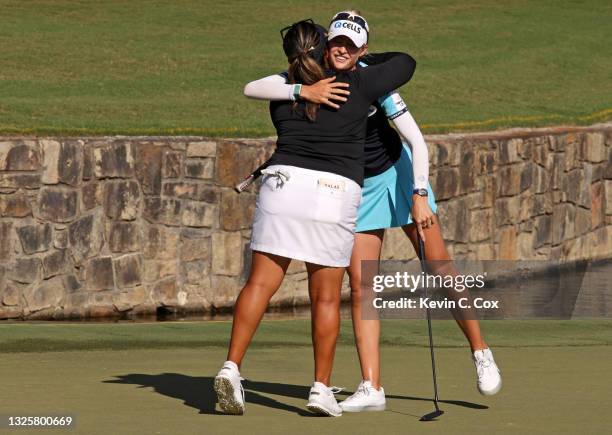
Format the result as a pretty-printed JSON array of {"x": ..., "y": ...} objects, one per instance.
[
  {"x": 321, "y": 400},
  {"x": 230, "y": 394},
  {"x": 489, "y": 377},
  {"x": 366, "y": 398}
]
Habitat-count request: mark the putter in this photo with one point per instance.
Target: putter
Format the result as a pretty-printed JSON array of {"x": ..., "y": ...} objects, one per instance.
[
  {"x": 244, "y": 184},
  {"x": 437, "y": 412}
]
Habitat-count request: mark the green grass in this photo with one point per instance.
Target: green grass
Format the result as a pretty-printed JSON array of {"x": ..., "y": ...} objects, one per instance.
[
  {"x": 157, "y": 67},
  {"x": 59, "y": 337}
]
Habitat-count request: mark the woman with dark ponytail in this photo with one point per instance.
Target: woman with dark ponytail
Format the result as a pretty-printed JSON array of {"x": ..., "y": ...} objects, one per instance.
[
  {"x": 307, "y": 206},
  {"x": 396, "y": 193}
]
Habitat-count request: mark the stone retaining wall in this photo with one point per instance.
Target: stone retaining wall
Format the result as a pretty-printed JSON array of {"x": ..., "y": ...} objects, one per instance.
[{"x": 121, "y": 226}]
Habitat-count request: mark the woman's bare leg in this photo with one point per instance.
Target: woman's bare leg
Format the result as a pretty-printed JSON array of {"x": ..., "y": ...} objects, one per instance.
[
  {"x": 367, "y": 332},
  {"x": 267, "y": 273},
  {"x": 324, "y": 285},
  {"x": 435, "y": 249}
]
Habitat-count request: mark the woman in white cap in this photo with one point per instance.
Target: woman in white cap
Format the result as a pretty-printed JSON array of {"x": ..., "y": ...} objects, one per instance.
[
  {"x": 396, "y": 193},
  {"x": 307, "y": 207}
]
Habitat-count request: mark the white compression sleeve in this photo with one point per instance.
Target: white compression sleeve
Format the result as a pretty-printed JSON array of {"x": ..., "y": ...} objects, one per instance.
[
  {"x": 407, "y": 127},
  {"x": 272, "y": 88}
]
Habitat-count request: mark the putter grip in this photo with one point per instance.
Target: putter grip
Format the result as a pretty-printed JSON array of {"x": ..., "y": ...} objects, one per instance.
[{"x": 244, "y": 184}]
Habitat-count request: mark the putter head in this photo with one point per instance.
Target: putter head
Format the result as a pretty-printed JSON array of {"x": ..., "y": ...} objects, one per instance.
[{"x": 432, "y": 415}]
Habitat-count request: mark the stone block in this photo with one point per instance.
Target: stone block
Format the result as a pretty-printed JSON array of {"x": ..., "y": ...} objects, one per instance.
[
  {"x": 509, "y": 180},
  {"x": 88, "y": 163},
  {"x": 126, "y": 299},
  {"x": 481, "y": 222},
  {"x": 438, "y": 154},
  {"x": 60, "y": 238},
  {"x": 86, "y": 236},
  {"x": 193, "y": 272},
  {"x": 200, "y": 168},
  {"x": 507, "y": 243},
  {"x": 195, "y": 249},
  {"x": 92, "y": 195},
  {"x": 508, "y": 151},
  {"x": 557, "y": 171},
  {"x": 26, "y": 270},
  {"x": 237, "y": 210},
  {"x": 172, "y": 164},
  {"x": 468, "y": 171},
  {"x": 48, "y": 294},
  {"x": 527, "y": 176},
  {"x": 507, "y": 210},
  {"x": 583, "y": 221},
  {"x": 58, "y": 204},
  {"x": 597, "y": 205},
  {"x": 51, "y": 157},
  {"x": 20, "y": 181},
  {"x": 525, "y": 149},
  {"x": 578, "y": 187},
  {"x": 70, "y": 162},
  {"x": 128, "y": 270},
  {"x": 201, "y": 149},
  {"x": 20, "y": 157},
  {"x": 14, "y": 205},
  {"x": 487, "y": 162},
  {"x": 191, "y": 190},
  {"x": 542, "y": 204},
  {"x": 236, "y": 161},
  {"x": 563, "y": 218},
  {"x": 153, "y": 270},
  {"x": 114, "y": 160},
  {"x": 124, "y": 237},
  {"x": 99, "y": 274},
  {"x": 160, "y": 243},
  {"x": 167, "y": 211},
  {"x": 225, "y": 290},
  {"x": 595, "y": 148},
  {"x": 165, "y": 291},
  {"x": 54, "y": 263},
  {"x": 6, "y": 240},
  {"x": 525, "y": 244},
  {"x": 541, "y": 179},
  {"x": 446, "y": 183},
  {"x": 543, "y": 230},
  {"x": 149, "y": 167},
  {"x": 608, "y": 197},
  {"x": 71, "y": 283},
  {"x": 226, "y": 253},
  {"x": 35, "y": 238},
  {"x": 122, "y": 200},
  {"x": 199, "y": 214},
  {"x": 454, "y": 220},
  {"x": 10, "y": 294}
]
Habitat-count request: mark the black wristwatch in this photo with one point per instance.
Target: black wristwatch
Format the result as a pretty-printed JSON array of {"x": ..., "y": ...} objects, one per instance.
[{"x": 420, "y": 192}]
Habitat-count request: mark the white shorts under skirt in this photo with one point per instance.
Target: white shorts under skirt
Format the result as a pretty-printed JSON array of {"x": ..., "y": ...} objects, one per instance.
[{"x": 306, "y": 215}]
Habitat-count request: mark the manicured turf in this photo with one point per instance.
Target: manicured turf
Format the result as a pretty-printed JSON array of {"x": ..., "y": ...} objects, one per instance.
[
  {"x": 157, "y": 378},
  {"x": 60, "y": 337},
  {"x": 158, "y": 67}
]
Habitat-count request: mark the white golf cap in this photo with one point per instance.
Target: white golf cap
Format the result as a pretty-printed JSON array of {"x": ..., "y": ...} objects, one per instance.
[{"x": 350, "y": 25}]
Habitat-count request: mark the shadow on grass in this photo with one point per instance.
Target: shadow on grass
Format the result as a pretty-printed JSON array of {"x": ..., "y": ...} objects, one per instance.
[{"x": 198, "y": 392}]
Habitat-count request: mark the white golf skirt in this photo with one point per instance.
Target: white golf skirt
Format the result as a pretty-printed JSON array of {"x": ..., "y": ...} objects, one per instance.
[{"x": 306, "y": 215}]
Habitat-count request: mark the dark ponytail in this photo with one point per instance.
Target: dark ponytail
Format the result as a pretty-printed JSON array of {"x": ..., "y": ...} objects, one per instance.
[{"x": 303, "y": 45}]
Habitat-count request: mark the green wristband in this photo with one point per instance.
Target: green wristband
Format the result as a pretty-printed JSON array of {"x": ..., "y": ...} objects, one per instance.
[{"x": 297, "y": 88}]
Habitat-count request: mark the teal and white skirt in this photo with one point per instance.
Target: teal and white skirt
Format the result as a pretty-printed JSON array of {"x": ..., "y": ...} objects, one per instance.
[{"x": 386, "y": 199}]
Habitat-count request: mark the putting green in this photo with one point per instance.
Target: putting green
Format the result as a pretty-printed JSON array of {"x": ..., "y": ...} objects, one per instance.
[{"x": 555, "y": 389}]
